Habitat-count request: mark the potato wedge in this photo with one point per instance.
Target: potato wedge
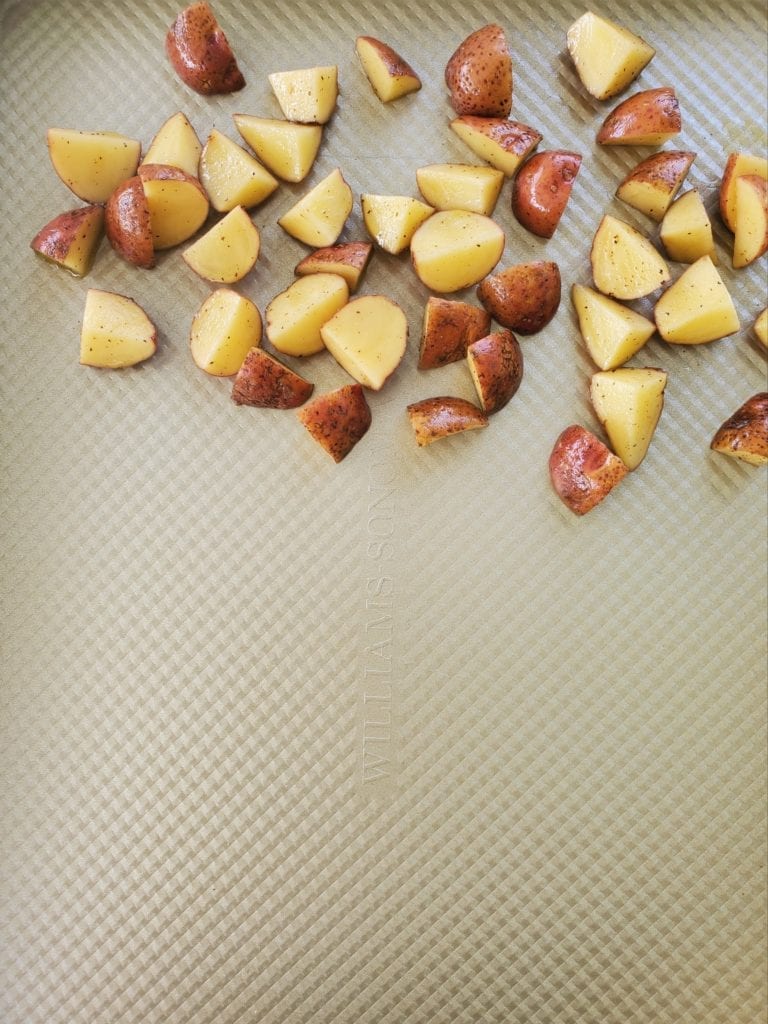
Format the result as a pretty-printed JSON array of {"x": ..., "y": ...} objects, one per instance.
[
  {"x": 524, "y": 297},
  {"x": 200, "y": 53},
  {"x": 296, "y": 316},
  {"x": 337, "y": 420},
  {"x": 625, "y": 264},
  {"x": 126, "y": 221},
  {"x": 116, "y": 332},
  {"x": 389, "y": 74},
  {"x": 460, "y": 187},
  {"x": 449, "y": 327},
  {"x": 455, "y": 249},
  {"x": 176, "y": 145},
  {"x": 542, "y": 188},
  {"x": 744, "y": 435},
  {"x": 266, "y": 383},
  {"x": 443, "y": 416},
  {"x": 92, "y": 164},
  {"x": 225, "y": 328},
  {"x": 318, "y": 218},
  {"x": 286, "y": 148},
  {"x": 628, "y": 403},
  {"x": 502, "y": 143},
  {"x": 686, "y": 230},
  {"x": 583, "y": 470},
  {"x": 697, "y": 308},
  {"x": 177, "y": 204},
  {"x": 347, "y": 259},
  {"x": 496, "y": 365},
  {"x": 750, "y": 239},
  {"x": 648, "y": 118},
  {"x": 479, "y": 74},
  {"x": 367, "y": 337},
  {"x": 71, "y": 239},
  {"x": 307, "y": 95},
  {"x": 736, "y": 165},
  {"x": 607, "y": 56},
  {"x": 651, "y": 186},
  {"x": 227, "y": 251},
  {"x": 613, "y": 333},
  {"x": 231, "y": 176},
  {"x": 392, "y": 220},
  {"x": 760, "y": 327}
]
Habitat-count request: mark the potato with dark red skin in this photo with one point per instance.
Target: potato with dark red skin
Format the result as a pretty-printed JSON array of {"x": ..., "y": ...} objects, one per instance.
[
  {"x": 266, "y": 383},
  {"x": 479, "y": 74},
  {"x": 71, "y": 239},
  {"x": 337, "y": 420},
  {"x": 648, "y": 118},
  {"x": 347, "y": 259},
  {"x": 443, "y": 416},
  {"x": 744, "y": 435},
  {"x": 449, "y": 327},
  {"x": 127, "y": 224},
  {"x": 496, "y": 365},
  {"x": 523, "y": 298},
  {"x": 583, "y": 470},
  {"x": 200, "y": 53},
  {"x": 542, "y": 188}
]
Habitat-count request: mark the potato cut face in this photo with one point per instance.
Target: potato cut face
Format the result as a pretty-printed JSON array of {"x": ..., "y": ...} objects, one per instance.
[
  {"x": 502, "y": 143},
  {"x": 367, "y": 337},
  {"x": 651, "y": 186},
  {"x": 392, "y": 220},
  {"x": 176, "y": 145},
  {"x": 625, "y": 264},
  {"x": 628, "y": 403},
  {"x": 613, "y": 333},
  {"x": 318, "y": 218},
  {"x": 389, "y": 74},
  {"x": 177, "y": 205},
  {"x": 697, "y": 308},
  {"x": 736, "y": 165},
  {"x": 227, "y": 251},
  {"x": 286, "y": 148},
  {"x": 116, "y": 331},
  {"x": 307, "y": 95},
  {"x": 760, "y": 327},
  {"x": 71, "y": 239},
  {"x": 750, "y": 238},
  {"x": 92, "y": 164},
  {"x": 232, "y": 177},
  {"x": 686, "y": 230},
  {"x": 455, "y": 249},
  {"x": 460, "y": 187},
  {"x": 224, "y": 329},
  {"x": 295, "y": 316},
  {"x": 607, "y": 56}
]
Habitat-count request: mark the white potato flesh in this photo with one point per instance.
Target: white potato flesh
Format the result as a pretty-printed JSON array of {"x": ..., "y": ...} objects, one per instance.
[
  {"x": 92, "y": 164},
  {"x": 367, "y": 337},
  {"x": 697, "y": 308},
  {"x": 307, "y": 95},
  {"x": 455, "y": 249},
  {"x": 116, "y": 331},
  {"x": 227, "y": 251},
  {"x": 175, "y": 145},
  {"x": 607, "y": 56},
  {"x": 686, "y": 230},
  {"x": 232, "y": 177},
  {"x": 318, "y": 218},
  {"x": 628, "y": 403},
  {"x": 224, "y": 329},
  {"x": 460, "y": 187},
  {"x": 392, "y": 220},
  {"x": 625, "y": 264},
  {"x": 286, "y": 148},
  {"x": 612, "y": 332},
  {"x": 294, "y": 318}
]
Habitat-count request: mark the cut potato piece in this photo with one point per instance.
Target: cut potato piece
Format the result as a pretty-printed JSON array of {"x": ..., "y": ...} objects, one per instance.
[
  {"x": 224, "y": 329},
  {"x": 92, "y": 164},
  {"x": 318, "y": 218},
  {"x": 524, "y": 297},
  {"x": 295, "y": 316},
  {"x": 337, "y": 420},
  {"x": 443, "y": 416},
  {"x": 607, "y": 57},
  {"x": 308, "y": 94},
  {"x": 736, "y": 165},
  {"x": 367, "y": 337},
  {"x": 227, "y": 251},
  {"x": 686, "y": 230},
  {"x": 449, "y": 327},
  {"x": 177, "y": 204},
  {"x": 628, "y": 403},
  {"x": 116, "y": 331},
  {"x": 583, "y": 470},
  {"x": 71, "y": 239},
  {"x": 348, "y": 259},
  {"x": 200, "y": 53},
  {"x": 496, "y": 365},
  {"x": 286, "y": 148},
  {"x": 760, "y": 327},
  {"x": 460, "y": 187},
  {"x": 542, "y": 188},
  {"x": 175, "y": 145},
  {"x": 390, "y": 76},
  {"x": 126, "y": 220},
  {"x": 392, "y": 220},
  {"x": 613, "y": 333},
  {"x": 750, "y": 239},
  {"x": 648, "y": 118},
  {"x": 502, "y": 143},
  {"x": 479, "y": 74},
  {"x": 651, "y": 186},
  {"x": 455, "y": 249},
  {"x": 266, "y": 383},
  {"x": 625, "y": 264},
  {"x": 744, "y": 435},
  {"x": 697, "y": 307},
  {"x": 231, "y": 176}
]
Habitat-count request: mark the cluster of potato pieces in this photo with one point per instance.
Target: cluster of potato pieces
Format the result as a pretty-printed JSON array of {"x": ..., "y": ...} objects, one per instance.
[{"x": 162, "y": 201}]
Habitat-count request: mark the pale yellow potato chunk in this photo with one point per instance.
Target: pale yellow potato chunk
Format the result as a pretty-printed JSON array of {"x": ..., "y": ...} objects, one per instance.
[
  {"x": 175, "y": 145},
  {"x": 318, "y": 218},
  {"x": 231, "y": 176},
  {"x": 71, "y": 239},
  {"x": 392, "y": 220},
  {"x": 367, "y": 337},
  {"x": 224, "y": 329},
  {"x": 760, "y": 327},
  {"x": 227, "y": 251},
  {"x": 607, "y": 57},
  {"x": 612, "y": 332},
  {"x": 390, "y": 76},
  {"x": 625, "y": 264},
  {"x": 750, "y": 237},
  {"x": 116, "y": 331},
  {"x": 308, "y": 94},
  {"x": 504, "y": 144},
  {"x": 92, "y": 164},
  {"x": 628, "y": 403},
  {"x": 686, "y": 230},
  {"x": 295, "y": 316},
  {"x": 697, "y": 308},
  {"x": 288, "y": 149},
  {"x": 177, "y": 204},
  {"x": 737, "y": 165},
  {"x": 455, "y": 249},
  {"x": 460, "y": 187}
]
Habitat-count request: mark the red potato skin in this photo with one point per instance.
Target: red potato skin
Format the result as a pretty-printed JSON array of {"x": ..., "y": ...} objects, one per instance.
[
  {"x": 396, "y": 65},
  {"x": 442, "y": 416},
  {"x": 200, "y": 53},
  {"x": 351, "y": 254},
  {"x": 479, "y": 74},
  {"x": 511, "y": 136},
  {"x": 449, "y": 327},
  {"x": 337, "y": 420},
  {"x": 54, "y": 240},
  {"x": 651, "y": 110},
  {"x": 542, "y": 188},
  {"x": 127, "y": 224},
  {"x": 583, "y": 470},
  {"x": 266, "y": 383},
  {"x": 744, "y": 435},
  {"x": 522, "y": 298},
  {"x": 496, "y": 363}
]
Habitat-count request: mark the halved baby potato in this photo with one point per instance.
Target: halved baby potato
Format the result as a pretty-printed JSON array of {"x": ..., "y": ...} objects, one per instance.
[
  {"x": 116, "y": 332},
  {"x": 176, "y": 145},
  {"x": 295, "y": 316},
  {"x": 697, "y": 308},
  {"x": 542, "y": 188},
  {"x": 126, "y": 221},
  {"x": 348, "y": 259},
  {"x": 318, "y": 218},
  {"x": 392, "y": 220},
  {"x": 460, "y": 187},
  {"x": 449, "y": 328},
  {"x": 455, "y": 249},
  {"x": 225, "y": 328},
  {"x": 286, "y": 148},
  {"x": 744, "y": 435},
  {"x": 227, "y": 251},
  {"x": 502, "y": 143},
  {"x": 523, "y": 297},
  {"x": 607, "y": 56},
  {"x": 200, "y": 53},
  {"x": 367, "y": 337},
  {"x": 496, "y": 365},
  {"x": 389, "y": 74},
  {"x": 266, "y": 383},
  {"x": 479, "y": 74},
  {"x": 231, "y": 176},
  {"x": 625, "y": 264},
  {"x": 337, "y": 420},
  {"x": 307, "y": 95},
  {"x": 612, "y": 332},
  {"x": 71, "y": 239},
  {"x": 583, "y": 470},
  {"x": 651, "y": 186},
  {"x": 432, "y": 419},
  {"x": 92, "y": 164},
  {"x": 648, "y": 118}
]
